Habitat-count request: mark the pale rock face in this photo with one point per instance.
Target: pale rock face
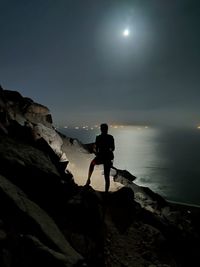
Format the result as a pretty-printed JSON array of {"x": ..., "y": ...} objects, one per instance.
[
  {"x": 37, "y": 113},
  {"x": 50, "y": 136},
  {"x": 63, "y": 158},
  {"x": 37, "y": 109}
]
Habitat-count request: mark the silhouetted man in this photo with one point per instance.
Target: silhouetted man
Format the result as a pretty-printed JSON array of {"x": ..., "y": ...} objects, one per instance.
[{"x": 104, "y": 147}]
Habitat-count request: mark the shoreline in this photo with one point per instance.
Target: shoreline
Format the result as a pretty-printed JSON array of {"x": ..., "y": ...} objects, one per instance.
[
  {"x": 176, "y": 203},
  {"x": 191, "y": 210}
]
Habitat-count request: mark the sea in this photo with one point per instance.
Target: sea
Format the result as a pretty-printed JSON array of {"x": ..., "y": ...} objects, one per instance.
[{"x": 167, "y": 160}]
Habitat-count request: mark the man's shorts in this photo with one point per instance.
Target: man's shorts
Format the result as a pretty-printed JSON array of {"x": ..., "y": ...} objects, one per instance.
[{"x": 99, "y": 160}]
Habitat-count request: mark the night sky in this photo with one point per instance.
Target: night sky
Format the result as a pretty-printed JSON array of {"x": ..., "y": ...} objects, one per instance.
[{"x": 72, "y": 56}]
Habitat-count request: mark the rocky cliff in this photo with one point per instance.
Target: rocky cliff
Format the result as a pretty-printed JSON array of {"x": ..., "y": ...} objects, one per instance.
[{"x": 46, "y": 218}]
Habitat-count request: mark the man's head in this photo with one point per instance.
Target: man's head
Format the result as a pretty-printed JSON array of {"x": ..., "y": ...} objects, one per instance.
[{"x": 104, "y": 128}]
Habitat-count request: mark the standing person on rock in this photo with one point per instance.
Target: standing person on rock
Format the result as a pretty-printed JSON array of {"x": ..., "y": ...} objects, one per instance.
[{"x": 104, "y": 147}]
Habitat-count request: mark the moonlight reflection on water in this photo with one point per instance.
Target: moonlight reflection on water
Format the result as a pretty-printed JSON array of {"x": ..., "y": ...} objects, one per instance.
[{"x": 166, "y": 161}]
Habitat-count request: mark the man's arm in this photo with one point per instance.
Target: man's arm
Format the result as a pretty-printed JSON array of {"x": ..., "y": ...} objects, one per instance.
[
  {"x": 112, "y": 147},
  {"x": 96, "y": 147}
]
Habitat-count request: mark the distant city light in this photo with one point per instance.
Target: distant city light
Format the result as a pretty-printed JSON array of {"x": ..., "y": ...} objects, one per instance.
[{"x": 198, "y": 127}]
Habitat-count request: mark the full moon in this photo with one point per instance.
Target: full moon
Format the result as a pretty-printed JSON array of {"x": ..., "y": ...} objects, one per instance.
[{"x": 126, "y": 32}]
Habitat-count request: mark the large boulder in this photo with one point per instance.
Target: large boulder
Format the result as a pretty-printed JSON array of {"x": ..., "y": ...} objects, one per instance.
[{"x": 31, "y": 220}]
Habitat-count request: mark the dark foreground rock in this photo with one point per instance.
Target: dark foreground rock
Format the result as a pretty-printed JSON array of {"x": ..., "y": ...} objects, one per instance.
[
  {"x": 46, "y": 219},
  {"x": 33, "y": 227}
]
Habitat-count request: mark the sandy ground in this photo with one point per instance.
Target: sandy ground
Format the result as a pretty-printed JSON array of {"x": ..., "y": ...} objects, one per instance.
[{"x": 79, "y": 161}]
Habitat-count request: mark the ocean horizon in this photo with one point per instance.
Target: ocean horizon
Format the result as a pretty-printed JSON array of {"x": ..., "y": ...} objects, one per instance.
[{"x": 164, "y": 159}]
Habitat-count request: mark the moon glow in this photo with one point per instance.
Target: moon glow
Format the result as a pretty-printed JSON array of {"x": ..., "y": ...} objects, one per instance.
[{"x": 126, "y": 32}]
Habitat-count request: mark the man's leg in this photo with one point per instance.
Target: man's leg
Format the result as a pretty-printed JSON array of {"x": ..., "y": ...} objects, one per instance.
[
  {"x": 90, "y": 171},
  {"x": 107, "y": 166}
]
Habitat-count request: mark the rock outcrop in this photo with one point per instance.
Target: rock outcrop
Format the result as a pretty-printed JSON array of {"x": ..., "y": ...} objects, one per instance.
[
  {"x": 21, "y": 108},
  {"x": 16, "y": 111},
  {"x": 47, "y": 219}
]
